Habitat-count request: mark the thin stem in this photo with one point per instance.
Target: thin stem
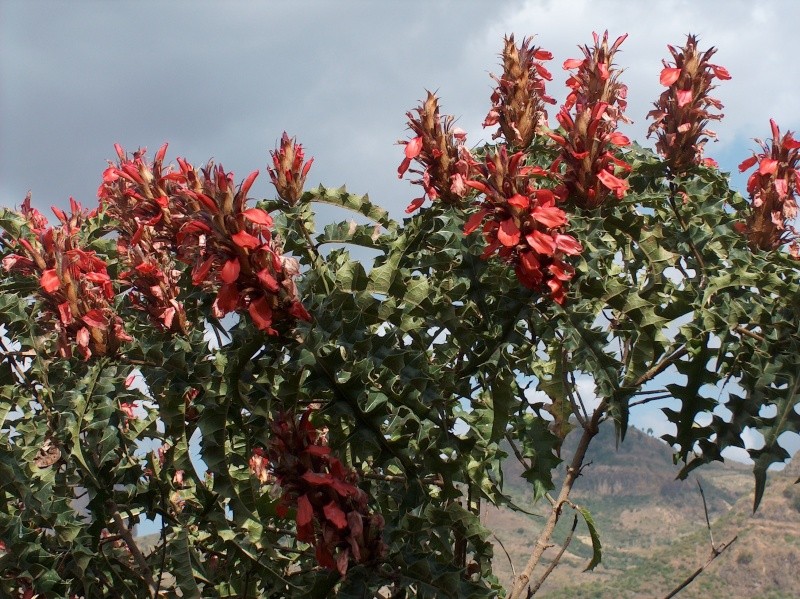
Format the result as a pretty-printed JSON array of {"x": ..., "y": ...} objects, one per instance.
[
  {"x": 748, "y": 333},
  {"x": 591, "y": 429},
  {"x": 557, "y": 558},
  {"x": 661, "y": 366},
  {"x": 646, "y": 400},
  {"x": 138, "y": 557},
  {"x": 696, "y": 573}
]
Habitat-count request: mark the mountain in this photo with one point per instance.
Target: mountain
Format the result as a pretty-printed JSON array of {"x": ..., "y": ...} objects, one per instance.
[{"x": 653, "y": 527}]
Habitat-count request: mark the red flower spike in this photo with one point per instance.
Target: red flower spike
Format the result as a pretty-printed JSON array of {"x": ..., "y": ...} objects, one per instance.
[
  {"x": 439, "y": 149},
  {"x": 772, "y": 189},
  {"x": 75, "y": 288},
  {"x": 682, "y": 112},
  {"x": 331, "y": 511},
  {"x": 288, "y": 173},
  {"x": 200, "y": 216},
  {"x": 589, "y": 117},
  {"x": 520, "y": 221},
  {"x": 518, "y": 101}
]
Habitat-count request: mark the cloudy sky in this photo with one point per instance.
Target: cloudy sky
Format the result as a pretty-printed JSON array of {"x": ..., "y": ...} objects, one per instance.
[{"x": 223, "y": 80}]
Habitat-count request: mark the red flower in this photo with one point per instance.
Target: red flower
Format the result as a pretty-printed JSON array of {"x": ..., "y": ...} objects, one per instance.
[
  {"x": 74, "y": 286},
  {"x": 203, "y": 219},
  {"x": 288, "y": 171}
]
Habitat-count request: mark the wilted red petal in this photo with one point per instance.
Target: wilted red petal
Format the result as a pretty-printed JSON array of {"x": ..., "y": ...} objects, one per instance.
[
  {"x": 720, "y": 72},
  {"x": 258, "y": 216},
  {"x": 519, "y": 201},
  {"x": 670, "y": 76},
  {"x": 268, "y": 281},
  {"x": 572, "y": 63},
  {"x": 230, "y": 271},
  {"x": 335, "y": 515},
  {"x": 82, "y": 337},
  {"x": 318, "y": 450},
  {"x": 619, "y": 139},
  {"x": 200, "y": 271},
  {"x": 403, "y": 167},
  {"x": 568, "y": 244},
  {"x": 618, "y": 186},
  {"x": 747, "y": 163},
  {"x": 324, "y": 557},
  {"x": 95, "y": 318},
  {"x": 244, "y": 240},
  {"x": 414, "y": 205},
  {"x": 261, "y": 313},
  {"x": 299, "y": 312},
  {"x": 65, "y": 313},
  {"x": 508, "y": 234},
  {"x": 49, "y": 280},
  {"x": 684, "y": 97},
  {"x": 305, "y": 512},
  {"x": 474, "y": 221},
  {"x": 227, "y": 299},
  {"x": 562, "y": 271},
  {"x": 247, "y": 183}
]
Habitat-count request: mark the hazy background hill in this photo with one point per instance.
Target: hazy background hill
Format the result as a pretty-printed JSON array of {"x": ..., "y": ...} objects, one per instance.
[{"x": 653, "y": 527}]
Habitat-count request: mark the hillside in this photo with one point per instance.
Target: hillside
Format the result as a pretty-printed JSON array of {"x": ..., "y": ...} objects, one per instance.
[{"x": 653, "y": 527}]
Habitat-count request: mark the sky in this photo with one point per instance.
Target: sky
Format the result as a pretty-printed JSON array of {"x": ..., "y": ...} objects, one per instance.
[{"x": 224, "y": 80}]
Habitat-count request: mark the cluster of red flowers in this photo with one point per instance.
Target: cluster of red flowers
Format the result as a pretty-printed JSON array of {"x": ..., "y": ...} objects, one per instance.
[
  {"x": 331, "y": 510},
  {"x": 590, "y": 116},
  {"x": 519, "y": 98},
  {"x": 522, "y": 223},
  {"x": 682, "y": 112},
  {"x": 772, "y": 188},
  {"x": 201, "y": 218},
  {"x": 439, "y": 148},
  {"x": 74, "y": 283}
]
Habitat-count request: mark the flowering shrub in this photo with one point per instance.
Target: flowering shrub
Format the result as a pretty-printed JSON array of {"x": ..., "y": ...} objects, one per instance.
[{"x": 294, "y": 423}]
